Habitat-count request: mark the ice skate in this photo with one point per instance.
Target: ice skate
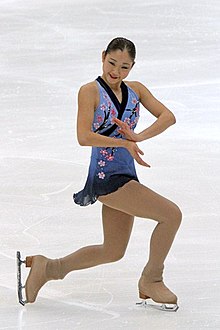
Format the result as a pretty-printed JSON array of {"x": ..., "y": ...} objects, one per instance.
[
  {"x": 165, "y": 299},
  {"x": 38, "y": 276},
  {"x": 20, "y": 287}
]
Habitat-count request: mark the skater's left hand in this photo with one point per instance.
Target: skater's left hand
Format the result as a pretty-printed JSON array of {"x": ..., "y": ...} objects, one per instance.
[{"x": 126, "y": 131}]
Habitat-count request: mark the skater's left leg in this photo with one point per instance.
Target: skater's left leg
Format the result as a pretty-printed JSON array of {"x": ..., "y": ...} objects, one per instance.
[{"x": 138, "y": 200}]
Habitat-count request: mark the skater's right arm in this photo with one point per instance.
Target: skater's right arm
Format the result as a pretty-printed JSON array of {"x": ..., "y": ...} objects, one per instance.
[
  {"x": 88, "y": 99},
  {"x": 87, "y": 103}
]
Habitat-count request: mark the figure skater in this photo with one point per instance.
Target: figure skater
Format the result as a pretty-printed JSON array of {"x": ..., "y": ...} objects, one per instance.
[{"x": 108, "y": 112}]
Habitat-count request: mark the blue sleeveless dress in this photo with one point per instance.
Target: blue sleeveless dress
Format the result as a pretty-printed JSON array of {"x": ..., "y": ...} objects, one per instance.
[{"x": 110, "y": 168}]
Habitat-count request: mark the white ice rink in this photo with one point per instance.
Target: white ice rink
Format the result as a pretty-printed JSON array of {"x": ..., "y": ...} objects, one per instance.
[{"x": 48, "y": 49}]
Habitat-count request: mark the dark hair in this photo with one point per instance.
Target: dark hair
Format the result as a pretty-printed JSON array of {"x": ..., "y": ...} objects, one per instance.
[{"x": 122, "y": 44}]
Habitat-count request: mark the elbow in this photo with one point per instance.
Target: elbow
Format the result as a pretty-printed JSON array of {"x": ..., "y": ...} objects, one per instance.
[
  {"x": 169, "y": 118},
  {"x": 83, "y": 140},
  {"x": 81, "y": 143},
  {"x": 172, "y": 118}
]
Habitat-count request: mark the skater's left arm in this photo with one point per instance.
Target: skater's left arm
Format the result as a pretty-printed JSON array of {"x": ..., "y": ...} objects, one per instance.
[{"x": 165, "y": 117}]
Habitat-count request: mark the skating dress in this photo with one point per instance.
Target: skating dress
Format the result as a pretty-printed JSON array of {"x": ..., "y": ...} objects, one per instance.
[{"x": 110, "y": 167}]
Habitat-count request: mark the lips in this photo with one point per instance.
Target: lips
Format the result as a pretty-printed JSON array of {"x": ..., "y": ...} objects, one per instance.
[{"x": 113, "y": 77}]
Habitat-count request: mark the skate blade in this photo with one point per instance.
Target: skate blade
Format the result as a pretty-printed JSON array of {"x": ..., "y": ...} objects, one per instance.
[
  {"x": 158, "y": 306},
  {"x": 20, "y": 287}
]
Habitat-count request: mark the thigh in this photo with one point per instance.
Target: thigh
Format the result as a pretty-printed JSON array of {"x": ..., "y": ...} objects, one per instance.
[
  {"x": 137, "y": 200},
  {"x": 117, "y": 227}
]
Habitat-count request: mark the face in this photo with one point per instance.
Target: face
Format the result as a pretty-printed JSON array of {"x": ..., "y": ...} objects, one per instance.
[{"x": 116, "y": 66}]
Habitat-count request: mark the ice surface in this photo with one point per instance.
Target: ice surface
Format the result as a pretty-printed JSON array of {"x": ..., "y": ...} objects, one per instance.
[{"x": 50, "y": 48}]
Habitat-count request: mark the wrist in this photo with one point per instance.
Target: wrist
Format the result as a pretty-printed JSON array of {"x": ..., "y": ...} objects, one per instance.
[
  {"x": 126, "y": 143},
  {"x": 140, "y": 137}
]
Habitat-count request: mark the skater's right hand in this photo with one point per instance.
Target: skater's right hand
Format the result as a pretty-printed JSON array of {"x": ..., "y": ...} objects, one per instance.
[{"x": 135, "y": 152}]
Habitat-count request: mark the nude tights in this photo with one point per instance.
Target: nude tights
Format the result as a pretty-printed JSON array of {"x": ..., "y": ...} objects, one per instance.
[{"x": 118, "y": 212}]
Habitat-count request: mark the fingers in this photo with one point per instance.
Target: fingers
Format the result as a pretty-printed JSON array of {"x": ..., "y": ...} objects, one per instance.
[
  {"x": 118, "y": 121},
  {"x": 140, "y": 151},
  {"x": 138, "y": 159},
  {"x": 124, "y": 130},
  {"x": 121, "y": 131}
]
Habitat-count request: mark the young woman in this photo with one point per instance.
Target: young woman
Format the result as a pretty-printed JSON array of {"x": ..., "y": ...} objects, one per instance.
[{"x": 108, "y": 111}]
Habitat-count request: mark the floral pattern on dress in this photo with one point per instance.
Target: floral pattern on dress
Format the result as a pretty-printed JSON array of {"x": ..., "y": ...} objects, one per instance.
[
  {"x": 101, "y": 175},
  {"x": 105, "y": 119},
  {"x": 101, "y": 163},
  {"x": 134, "y": 115},
  {"x": 107, "y": 155}
]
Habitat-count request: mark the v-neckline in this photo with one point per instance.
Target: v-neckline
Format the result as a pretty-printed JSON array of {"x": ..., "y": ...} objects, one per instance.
[{"x": 119, "y": 106}]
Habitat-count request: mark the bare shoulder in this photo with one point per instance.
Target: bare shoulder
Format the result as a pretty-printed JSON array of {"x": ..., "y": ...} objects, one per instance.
[
  {"x": 90, "y": 88},
  {"x": 138, "y": 87},
  {"x": 89, "y": 92}
]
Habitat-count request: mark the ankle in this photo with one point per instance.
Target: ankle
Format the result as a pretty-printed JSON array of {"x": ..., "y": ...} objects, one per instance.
[
  {"x": 53, "y": 269},
  {"x": 153, "y": 273}
]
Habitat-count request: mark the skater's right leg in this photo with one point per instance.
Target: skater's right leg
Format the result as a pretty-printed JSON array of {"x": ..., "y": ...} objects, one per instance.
[{"x": 117, "y": 227}]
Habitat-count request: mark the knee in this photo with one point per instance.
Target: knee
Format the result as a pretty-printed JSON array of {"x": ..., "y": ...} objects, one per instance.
[
  {"x": 114, "y": 256},
  {"x": 176, "y": 215}
]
